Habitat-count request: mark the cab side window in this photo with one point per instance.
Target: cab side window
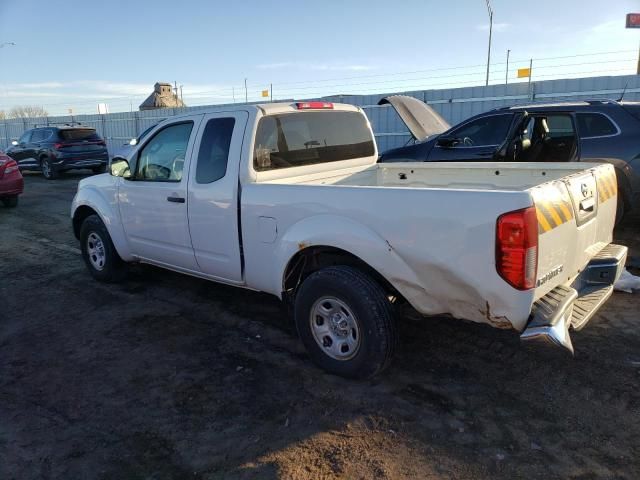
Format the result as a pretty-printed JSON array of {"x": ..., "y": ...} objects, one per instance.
[
  {"x": 162, "y": 158},
  {"x": 594, "y": 125},
  {"x": 484, "y": 131},
  {"x": 26, "y": 136},
  {"x": 214, "y": 150},
  {"x": 38, "y": 136}
]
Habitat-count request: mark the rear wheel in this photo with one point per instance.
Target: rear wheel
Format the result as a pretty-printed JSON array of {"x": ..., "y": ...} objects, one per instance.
[
  {"x": 620, "y": 209},
  {"x": 47, "y": 169},
  {"x": 98, "y": 252},
  {"x": 10, "y": 202},
  {"x": 346, "y": 322}
]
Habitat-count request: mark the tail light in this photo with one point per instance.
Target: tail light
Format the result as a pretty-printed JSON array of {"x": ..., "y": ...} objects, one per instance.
[
  {"x": 10, "y": 167},
  {"x": 7, "y": 166},
  {"x": 517, "y": 248},
  {"x": 58, "y": 146},
  {"x": 314, "y": 105}
]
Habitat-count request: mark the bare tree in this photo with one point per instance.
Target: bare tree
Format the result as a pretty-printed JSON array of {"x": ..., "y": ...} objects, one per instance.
[{"x": 27, "y": 111}]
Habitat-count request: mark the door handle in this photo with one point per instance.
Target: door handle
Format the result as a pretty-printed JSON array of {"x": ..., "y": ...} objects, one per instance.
[
  {"x": 175, "y": 199},
  {"x": 587, "y": 204}
]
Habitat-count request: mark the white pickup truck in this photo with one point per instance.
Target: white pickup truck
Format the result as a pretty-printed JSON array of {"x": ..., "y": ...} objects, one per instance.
[{"x": 288, "y": 199}]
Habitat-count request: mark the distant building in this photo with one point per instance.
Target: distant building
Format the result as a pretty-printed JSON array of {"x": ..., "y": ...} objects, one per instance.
[{"x": 162, "y": 97}]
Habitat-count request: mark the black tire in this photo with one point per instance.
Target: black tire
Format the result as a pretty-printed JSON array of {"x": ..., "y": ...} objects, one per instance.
[
  {"x": 10, "y": 202},
  {"x": 113, "y": 268},
  {"x": 99, "y": 170},
  {"x": 373, "y": 314},
  {"x": 620, "y": 209},
  {"x": 47, "y": 169}
]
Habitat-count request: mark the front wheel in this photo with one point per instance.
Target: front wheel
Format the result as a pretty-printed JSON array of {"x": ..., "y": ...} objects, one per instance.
[
  {"x": 346, "y": 322},
  {"x": 98, "y": 252},
  {"x": 10, "y": 202}
]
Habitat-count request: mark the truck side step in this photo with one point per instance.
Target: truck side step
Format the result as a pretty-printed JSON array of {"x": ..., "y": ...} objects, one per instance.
[{"x": 588, "y": 303}]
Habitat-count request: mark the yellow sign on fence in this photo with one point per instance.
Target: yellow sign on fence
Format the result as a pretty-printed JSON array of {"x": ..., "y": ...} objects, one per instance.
[
  {"x": 265, "y": 93},
  {"x": 524, "y": 72}
]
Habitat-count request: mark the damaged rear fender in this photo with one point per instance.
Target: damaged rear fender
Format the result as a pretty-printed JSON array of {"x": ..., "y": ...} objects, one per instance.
[{"x": 344, "y": 234}]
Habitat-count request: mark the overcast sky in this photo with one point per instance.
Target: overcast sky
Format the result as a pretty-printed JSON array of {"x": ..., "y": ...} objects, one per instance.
[{"x": 75, "y": 54}]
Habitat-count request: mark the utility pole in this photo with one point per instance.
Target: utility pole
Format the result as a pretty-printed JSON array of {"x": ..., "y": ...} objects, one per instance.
[
  {"x": 530, "y": 75},
  {"x": 506, "y": 75},
  {"x": 246, "y": 95},
  {"x": 490, "y": 10},
  {"x": 175, "y": 89},
  {"x": 271, "y": 91},
  {"x": 181, "y": 97}
]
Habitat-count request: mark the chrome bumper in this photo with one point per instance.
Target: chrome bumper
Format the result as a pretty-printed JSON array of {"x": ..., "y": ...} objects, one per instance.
[{"x": 573, "y": 306}]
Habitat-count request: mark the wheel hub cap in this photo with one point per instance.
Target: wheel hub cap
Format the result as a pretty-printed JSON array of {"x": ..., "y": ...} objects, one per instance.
[
  {"x": 95, "y": 251},
  {"x": 335, "y": 328}
]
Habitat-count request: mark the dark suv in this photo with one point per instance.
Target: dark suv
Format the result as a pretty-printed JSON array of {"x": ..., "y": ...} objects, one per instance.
[
  {"x": 586, "y": 131},
  {"x": 55, "y": 149}
]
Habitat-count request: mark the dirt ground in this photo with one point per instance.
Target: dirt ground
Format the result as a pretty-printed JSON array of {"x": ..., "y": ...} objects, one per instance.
[{"x": 170, "y": 377}]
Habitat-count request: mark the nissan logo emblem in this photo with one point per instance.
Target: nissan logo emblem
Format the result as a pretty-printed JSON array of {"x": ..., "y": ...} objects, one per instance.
[{"x": 584, "y": 188}]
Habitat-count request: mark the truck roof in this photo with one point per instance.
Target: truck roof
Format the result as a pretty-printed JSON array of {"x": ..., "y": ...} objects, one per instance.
[{"x": 273, "y": 108}]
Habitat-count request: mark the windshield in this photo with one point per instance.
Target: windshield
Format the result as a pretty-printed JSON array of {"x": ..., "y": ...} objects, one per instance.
[{"x": 306, "y": 138}]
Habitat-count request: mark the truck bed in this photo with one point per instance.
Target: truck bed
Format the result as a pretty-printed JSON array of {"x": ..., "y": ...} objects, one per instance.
[
  {"x": 454, "y": 175},
  {"x": 439, "y": 221}
]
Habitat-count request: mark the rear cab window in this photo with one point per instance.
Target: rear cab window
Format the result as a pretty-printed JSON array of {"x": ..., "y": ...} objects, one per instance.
[{"x": 297, "y": 139}]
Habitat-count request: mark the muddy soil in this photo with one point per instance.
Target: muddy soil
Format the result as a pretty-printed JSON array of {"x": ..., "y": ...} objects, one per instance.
[{"x": 170, "y": 377}]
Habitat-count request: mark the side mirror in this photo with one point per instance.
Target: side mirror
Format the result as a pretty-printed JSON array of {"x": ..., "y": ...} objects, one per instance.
[
  {"x": 447, "y": 141},
  {"x": 120, "y": 167},
  {"x": 133, "y": 142},
  {"x": 14, "y": 143}
]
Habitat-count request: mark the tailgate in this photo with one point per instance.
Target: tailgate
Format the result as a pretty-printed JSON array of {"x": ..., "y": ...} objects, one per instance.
[{"x": 576, "y": 215}]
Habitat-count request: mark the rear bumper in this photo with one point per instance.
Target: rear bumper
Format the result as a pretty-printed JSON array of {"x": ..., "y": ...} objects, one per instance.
[
  {"x": 573, "y": 306},
  {"x": 69, "y": 161}
]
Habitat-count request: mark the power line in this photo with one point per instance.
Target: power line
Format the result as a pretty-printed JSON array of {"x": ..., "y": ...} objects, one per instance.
[{"x": 394, "y": 80}]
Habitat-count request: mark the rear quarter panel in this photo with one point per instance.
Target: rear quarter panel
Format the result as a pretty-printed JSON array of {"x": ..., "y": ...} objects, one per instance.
[{"x": 435, "y": 246}]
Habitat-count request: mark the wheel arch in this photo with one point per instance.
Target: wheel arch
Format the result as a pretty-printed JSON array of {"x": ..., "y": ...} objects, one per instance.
[
  {"x": 89, "y": 201},
  {"x": 313, "y": 258},
  {"x": 80, "y": 214},
  {"x": 316, "y": 242}
]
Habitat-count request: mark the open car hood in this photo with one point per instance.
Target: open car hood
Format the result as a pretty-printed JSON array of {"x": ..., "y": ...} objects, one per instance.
[{"x": 421, "y": 120}]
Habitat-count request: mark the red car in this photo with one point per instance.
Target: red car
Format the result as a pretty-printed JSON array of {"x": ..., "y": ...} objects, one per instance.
[{"x": 11, "y": 182}]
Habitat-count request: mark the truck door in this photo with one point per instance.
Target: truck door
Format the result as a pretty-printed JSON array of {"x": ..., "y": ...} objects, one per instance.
[
  {"x": 213, "y": 195},
  {"x": 153, "y": 203}
]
